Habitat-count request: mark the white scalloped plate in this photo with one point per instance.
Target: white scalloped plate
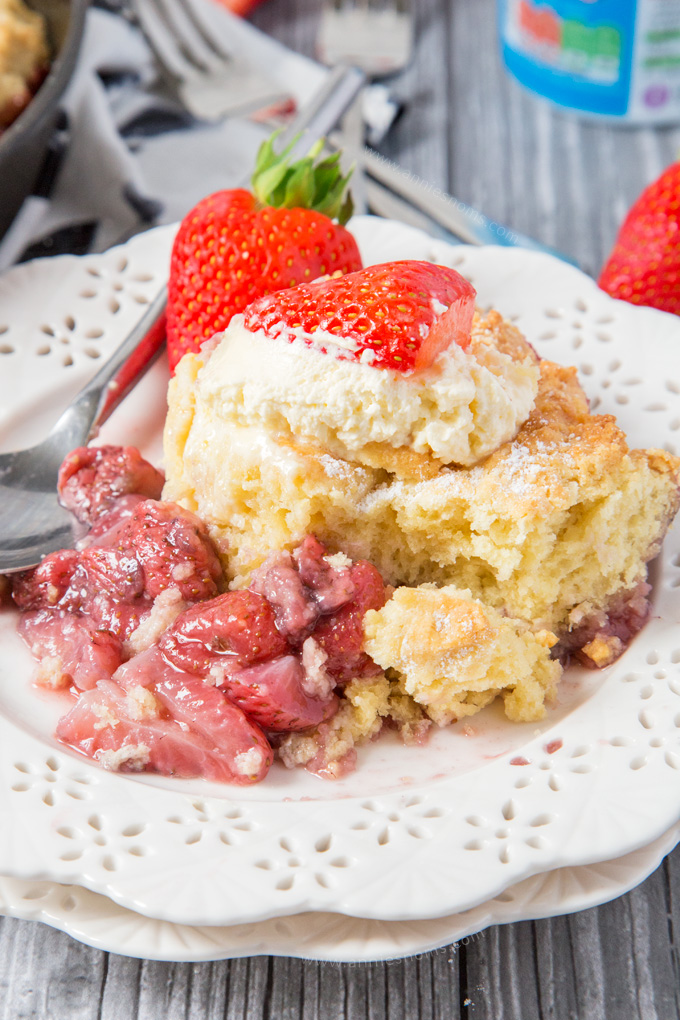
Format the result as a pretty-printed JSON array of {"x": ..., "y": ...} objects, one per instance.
[
  {"x": 97, "y": 921},
  {"x": 430, "y": 831}
]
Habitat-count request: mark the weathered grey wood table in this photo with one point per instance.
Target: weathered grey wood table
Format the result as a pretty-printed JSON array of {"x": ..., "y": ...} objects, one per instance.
[{"x": 471, "y": 131}]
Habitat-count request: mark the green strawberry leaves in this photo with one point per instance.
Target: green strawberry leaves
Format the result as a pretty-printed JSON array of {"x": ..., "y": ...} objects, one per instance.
[{"x": 307, "y": 183}]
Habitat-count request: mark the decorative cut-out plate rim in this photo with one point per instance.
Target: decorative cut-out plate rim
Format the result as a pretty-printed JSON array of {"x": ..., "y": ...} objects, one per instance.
[
  {"x": 98, "y": 922},
  {"x": 600, "y": 783}
]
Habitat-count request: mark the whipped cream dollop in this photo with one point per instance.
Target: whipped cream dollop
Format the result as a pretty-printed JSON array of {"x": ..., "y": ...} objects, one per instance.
[{"x": 458, "y": 410}]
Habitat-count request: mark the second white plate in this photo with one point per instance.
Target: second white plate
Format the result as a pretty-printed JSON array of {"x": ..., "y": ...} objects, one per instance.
[{"x": 92, "y": 918}]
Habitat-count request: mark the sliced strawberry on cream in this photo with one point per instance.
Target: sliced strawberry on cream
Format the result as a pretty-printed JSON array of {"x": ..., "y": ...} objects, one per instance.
[
  {"x": 397, "y": 315},
  {"x": 386, "y": 367}
]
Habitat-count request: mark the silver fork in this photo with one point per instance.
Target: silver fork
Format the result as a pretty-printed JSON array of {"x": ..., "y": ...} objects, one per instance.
[
  {"x": 208, "y": 79},
  {"x": 377, "y": 37}
]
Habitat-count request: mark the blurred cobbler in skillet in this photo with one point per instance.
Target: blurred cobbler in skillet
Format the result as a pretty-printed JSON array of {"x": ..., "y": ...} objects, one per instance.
[{"x": 24, "y": 58}]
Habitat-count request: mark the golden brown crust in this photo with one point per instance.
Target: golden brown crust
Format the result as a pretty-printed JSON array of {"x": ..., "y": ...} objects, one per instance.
[
  {"x": 560, "y": 440},
  {"x": 492, "y": 329},
  {"x": 561, "y": 443},
  {"x": 24, "y": 56},
  {"x": 454, "y": 654},
  {"x": 401, "y": 463}
]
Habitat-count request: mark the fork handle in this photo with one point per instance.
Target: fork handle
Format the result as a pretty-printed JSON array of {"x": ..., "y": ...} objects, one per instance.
[
  {"x": 101, "y": 395},
  {"x": 318, "y": 117},
  {"x": 469, "y": 224}
]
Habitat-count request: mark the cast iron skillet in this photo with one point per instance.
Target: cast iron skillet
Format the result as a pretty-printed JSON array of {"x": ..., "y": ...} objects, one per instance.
[{"x": 24, "y": 144}]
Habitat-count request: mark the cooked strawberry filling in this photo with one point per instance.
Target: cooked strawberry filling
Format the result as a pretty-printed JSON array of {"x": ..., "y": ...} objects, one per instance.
[
  {"x": 170, "y": 675},
  {"x": 304, "y": 585},
  {"x": 72, "y": 648},
  {"x": 92, "y": 478},
  {"x": 182, "y": 728},
  {"x": 227, "y": 633},
  {"x": 115, "y": 578}
]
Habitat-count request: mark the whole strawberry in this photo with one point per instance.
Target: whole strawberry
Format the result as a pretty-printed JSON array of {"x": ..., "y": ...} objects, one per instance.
[
  {"x": 644, "y": 266},
  {"x": 236, "y": 245}
]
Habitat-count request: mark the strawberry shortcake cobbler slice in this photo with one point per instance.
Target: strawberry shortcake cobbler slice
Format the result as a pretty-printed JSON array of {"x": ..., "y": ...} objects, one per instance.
[
  {"x": 384, "y": 414},
  {"x": 381, "y": 510}
]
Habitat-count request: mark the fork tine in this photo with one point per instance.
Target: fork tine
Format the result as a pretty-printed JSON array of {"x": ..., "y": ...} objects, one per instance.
[
  {"x": 162, "y": 42},
  {"x": 204, "y": 30},
  {"x": 187, "y": 40}
]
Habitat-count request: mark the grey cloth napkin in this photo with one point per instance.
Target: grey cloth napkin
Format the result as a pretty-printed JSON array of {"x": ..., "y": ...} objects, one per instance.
[{"x": 127, "y": 156}]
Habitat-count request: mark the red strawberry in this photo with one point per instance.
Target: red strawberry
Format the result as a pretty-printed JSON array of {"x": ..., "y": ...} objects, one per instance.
[
  {"x": 341, "y": 635},
  {"x": 332, "y": 586},
  {"x": 398, "y": 315},
  {"x": 644, "y": 266},
  {"x": 76, "y": 649},
  {"x": 241, "y": 7},
  {"x": 235, "y": 246},
  {"x": 46, "y": 585},
  {"x": 235, "y": 630}
]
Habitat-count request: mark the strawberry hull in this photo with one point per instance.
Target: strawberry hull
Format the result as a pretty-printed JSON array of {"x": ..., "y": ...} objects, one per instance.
[{"x": 233, "y": 247}]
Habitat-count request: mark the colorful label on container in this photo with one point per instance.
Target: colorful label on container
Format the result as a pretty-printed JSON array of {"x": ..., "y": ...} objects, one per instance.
[{"x": 613, "y": 57}]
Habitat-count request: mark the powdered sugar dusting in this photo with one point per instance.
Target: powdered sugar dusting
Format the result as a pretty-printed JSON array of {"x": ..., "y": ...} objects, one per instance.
[
  {"x": 335, "y": 468},
  {"x": 521, "y": 468}
]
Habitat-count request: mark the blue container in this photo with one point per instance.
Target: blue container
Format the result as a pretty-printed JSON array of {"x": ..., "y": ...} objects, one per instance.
[{"x": 616, "y": 59}]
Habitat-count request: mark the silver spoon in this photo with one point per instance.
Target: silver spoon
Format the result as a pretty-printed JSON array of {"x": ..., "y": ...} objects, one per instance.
[{"x": 32, "y": 523}]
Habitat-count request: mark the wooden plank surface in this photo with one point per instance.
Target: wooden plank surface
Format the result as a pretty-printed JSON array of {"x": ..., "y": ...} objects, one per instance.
[{"x": 467, "y": 129}]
